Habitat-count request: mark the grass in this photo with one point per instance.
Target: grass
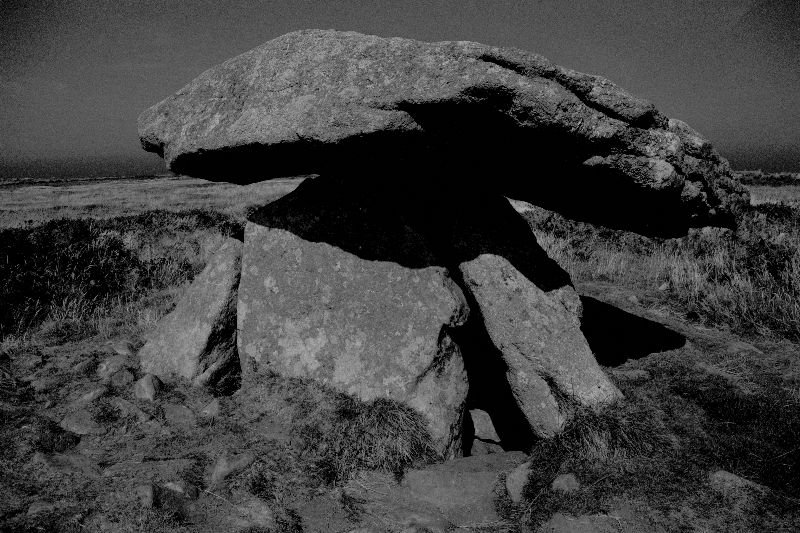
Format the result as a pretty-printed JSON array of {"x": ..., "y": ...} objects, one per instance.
[
  {"x": 341, "y": 434},
  {"x": 659, "y": 446},
  {"x": 76, "y": 272},
  {"x": 747, "y": 280}
]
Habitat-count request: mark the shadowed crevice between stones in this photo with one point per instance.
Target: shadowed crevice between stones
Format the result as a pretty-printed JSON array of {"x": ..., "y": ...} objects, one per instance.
[
  {"x": 616, "y": 336},
  {"x": 489, "y": 389}
]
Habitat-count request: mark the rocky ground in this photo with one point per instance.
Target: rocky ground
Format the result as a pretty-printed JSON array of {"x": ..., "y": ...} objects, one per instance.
[{"x": 90, "y": 443}]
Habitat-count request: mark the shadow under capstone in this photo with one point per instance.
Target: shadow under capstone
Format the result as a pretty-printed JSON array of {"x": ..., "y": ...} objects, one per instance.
[{"x": 615, "y": 336}]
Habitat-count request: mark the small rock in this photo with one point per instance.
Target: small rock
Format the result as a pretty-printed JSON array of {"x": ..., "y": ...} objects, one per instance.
[
  {"x": 484, "y": 428},
  {"x": 146, "y": 494},
  {"x": 111, "y": 366},
  {"x": 41, "y": 507},
  {"x": 124, "y": 347},
  {"x": 462, "y": 490},
  {"x": 147, "y": 388},
  {"x": 633, "y": 299},
  {"x": 211, "y": 410},
  {"x": 184, "y": 488},
  {"x": 664, "y": 286},
  {"x": 481, "y": 447},
  {"x": 91, "y": 396},
  {"x": 83, "y": 368},
  {"x": 631, "y": 375},
  {"x": 255, "y": 512},
  {"x": 179, "y": 415},
  {"x": 45, "y": 384},
  {"x": 128, "y": 409},
  {"x": 731, "y": 485},
  {"x": 516, "y": 481},
  {"x": 226, "y": 466},
  {"x": 737, "y": 347},
  {"x": 566, "y": 483},
  {"x": 82, "y": 423},
  {"x": 122, "y": 379}
]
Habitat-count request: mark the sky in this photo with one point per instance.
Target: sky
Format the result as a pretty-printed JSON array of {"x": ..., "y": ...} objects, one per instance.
[{"x": 75, "y": 74}]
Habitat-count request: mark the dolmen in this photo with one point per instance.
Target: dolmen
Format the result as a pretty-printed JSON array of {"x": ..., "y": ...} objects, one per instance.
[{"x": 400, "y": 270}]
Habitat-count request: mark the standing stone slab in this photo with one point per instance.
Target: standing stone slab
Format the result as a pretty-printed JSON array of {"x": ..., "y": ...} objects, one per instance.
[
  {"x": 197, "y": 340},
  {"x": 370, "y": 328},
  {"x": 538, "y": 334}
]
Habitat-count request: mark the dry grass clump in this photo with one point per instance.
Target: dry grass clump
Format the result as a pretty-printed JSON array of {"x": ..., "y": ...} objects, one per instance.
[
  {"x": 661, "y": 442},
  {"x": 342, "y": 434},
  {"x": 747, "y": 280},
  {"x": 74, "y": 273}
]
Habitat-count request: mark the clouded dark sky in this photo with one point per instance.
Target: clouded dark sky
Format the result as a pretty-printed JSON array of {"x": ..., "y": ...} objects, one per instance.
[{"x": 74, "y": 74}]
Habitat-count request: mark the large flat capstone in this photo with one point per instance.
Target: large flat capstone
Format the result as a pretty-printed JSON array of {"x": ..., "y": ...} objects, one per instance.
[{"x": 500, "y": 119}]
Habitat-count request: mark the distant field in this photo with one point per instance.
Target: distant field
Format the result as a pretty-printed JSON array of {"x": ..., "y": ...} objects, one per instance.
[
  {"x": 766, "y": 194},
  {"x": 33, "y": 204}
]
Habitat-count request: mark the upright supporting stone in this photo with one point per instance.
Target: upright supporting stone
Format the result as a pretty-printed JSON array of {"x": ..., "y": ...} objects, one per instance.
[
  {"x": 362, "y": 323},
  {"x": 549, "y": 363},
  {"x": 197, "y": 340}
]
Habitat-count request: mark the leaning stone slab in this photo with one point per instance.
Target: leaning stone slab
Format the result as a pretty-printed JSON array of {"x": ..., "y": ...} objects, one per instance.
[
  {"x": 197, "y": 340},
  {"x": 369, "y": 328},
  {"x": 549, "y": 363}
]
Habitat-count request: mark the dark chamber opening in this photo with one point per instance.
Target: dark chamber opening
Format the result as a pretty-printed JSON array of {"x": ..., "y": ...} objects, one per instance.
[{"x": 615, "y": 336}]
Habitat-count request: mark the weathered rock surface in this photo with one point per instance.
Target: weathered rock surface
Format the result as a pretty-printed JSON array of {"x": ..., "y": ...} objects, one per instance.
[
  {"x": 464, "y": 490},
  {"x": 336, "y": 289},
  {"x": 197, "y": 340},
  {"x": 147, "y": 387},
  {"x": 313, "y": 101},
  {"x": 538, "y": 334}
]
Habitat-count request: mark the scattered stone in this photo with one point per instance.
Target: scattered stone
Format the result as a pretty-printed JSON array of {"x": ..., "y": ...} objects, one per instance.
[
  {"x": 565, "y": 483},
  {"x": 516, "y": 480},
  {"x": 482, "y": 422},
  {"x": 126, "y": 408},
  {"x": 633, "y": 299},
  {"x": 255, "y": 512},
  {"x": 481, "y": 447},
  {"x": 197, "y": 340},
  {"x": 147, "y": 388},
  {"x": 664, "y": 286},
  {"x": 124, "y": 347},
  {"x": 737, "y": 347},
  {"x": 122, "y": 379},
  {"x": 91, "y": 396},
  {"x": 146, "y": 494},
  {"x": 463, "y": 490},
  {"x": 633, "y": 375},
  {"x": 111, "y": 366},
  {"x": 211, "y": 410},
  {"x": 41, "y": 506},
  {"x": 81, "y": 422},
  {"x": 731, "y": 485},
  {"x": 225, "y": 466},
  {"x": 179, "y": 415},
  {"x": 71, "y": 463},
  {"x": 83, "y": 368},
  {"x": 47, "y": 436},
  {"x": 45, "y": 384},
  {"x": 184, "y": 488}
]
